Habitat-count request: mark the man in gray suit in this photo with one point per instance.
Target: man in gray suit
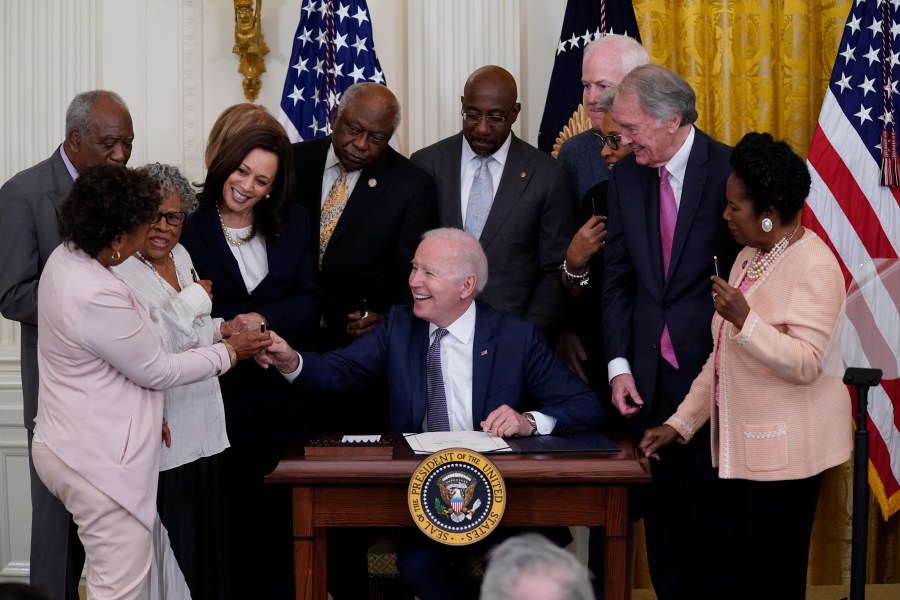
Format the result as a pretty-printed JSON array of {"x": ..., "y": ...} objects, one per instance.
[
  {"x": 98, "y": 130},
  {"x": 507, "y": 193}
]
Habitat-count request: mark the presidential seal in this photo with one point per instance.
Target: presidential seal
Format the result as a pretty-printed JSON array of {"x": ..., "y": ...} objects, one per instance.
[{"x": 456, "y": 496}]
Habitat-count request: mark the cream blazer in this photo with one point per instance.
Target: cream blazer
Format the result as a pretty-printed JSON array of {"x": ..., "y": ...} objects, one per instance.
[
  {"x": 101, "y": 368},
  {"x": 778, "y": 416}
]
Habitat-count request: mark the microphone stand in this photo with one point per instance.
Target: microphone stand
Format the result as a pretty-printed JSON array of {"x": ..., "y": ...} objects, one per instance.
[{"x": 863, "y": 379}]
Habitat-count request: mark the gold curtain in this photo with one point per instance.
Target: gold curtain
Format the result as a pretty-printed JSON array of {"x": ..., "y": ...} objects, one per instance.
[{"x": 759, "y": 65}]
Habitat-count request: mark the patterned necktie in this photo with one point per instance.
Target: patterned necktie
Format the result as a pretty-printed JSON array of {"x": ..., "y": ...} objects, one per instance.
[
  {"x": 668, "y": 215},
  {"x": 437, "y": 418},
  {"x": 481, "y": 196},
  {"x": 332, "y": 209}
]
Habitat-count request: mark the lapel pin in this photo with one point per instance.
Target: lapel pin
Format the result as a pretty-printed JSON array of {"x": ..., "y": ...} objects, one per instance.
[
  {"x": 484, "y": 352},
  {"x": 522, "y": 174},
  {"x": 373, "y": 182}
]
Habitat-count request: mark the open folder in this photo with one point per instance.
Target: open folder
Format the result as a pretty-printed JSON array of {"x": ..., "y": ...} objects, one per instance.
[{"x": 481, "y": 441}]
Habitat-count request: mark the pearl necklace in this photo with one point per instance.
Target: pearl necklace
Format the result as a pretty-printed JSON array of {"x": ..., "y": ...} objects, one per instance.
[
  {"x": 228, "y": 237},
  {"x": 163, "y": 282},
  {"x": 763, "y": 260}
]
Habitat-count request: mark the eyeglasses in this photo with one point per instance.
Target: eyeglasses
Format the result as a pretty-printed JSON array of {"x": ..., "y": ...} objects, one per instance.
[
  {"x": 611, "y": 140},
  {"x": 492, "y": 120},
  {"x": 174, "y": 218}
]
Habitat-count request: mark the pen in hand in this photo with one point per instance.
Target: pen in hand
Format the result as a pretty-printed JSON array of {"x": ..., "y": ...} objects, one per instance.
[
  {"x": 716, "y": 265},
  {"x": 194, "y": 275}
]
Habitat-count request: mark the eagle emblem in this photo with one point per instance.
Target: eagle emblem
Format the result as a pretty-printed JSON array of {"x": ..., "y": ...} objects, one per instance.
[{"x": 457, "y": 491}]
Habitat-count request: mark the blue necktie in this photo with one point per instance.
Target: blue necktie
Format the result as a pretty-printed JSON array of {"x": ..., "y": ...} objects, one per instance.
[
  {"x": 481, "y": 196},
  {"x": 436, "y": 417}
]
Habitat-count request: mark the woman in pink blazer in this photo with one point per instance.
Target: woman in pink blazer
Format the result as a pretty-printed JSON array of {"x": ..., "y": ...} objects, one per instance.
[
  {"x": 102, "y": 366},
  {"x": 777, "y": 421}
]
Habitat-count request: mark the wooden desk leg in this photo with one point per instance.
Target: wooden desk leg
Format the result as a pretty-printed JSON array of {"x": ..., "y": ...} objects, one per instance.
[
  {"x": 304, "y": 544},
  {"x": 615, "y": 555}
]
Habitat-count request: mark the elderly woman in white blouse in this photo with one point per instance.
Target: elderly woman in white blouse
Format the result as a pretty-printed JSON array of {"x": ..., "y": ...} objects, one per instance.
[{"x": 163, "y": 278}]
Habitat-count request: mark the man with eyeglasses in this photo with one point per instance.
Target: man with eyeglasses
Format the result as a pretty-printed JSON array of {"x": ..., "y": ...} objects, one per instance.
[
  {"x": 98, "y": 131},
  {"x": 508, "y": 194}
]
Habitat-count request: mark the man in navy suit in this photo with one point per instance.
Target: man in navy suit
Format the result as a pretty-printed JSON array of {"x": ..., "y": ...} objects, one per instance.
[
  {"x": 656, "y": 319},
  {"x": 98, "y": 131},
  {"x": 494, "y": 367}
]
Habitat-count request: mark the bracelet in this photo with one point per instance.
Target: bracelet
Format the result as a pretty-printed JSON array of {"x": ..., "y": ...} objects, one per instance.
[
  {"x": 232, "y": 355},
  {"x": 573, "y": 279}
]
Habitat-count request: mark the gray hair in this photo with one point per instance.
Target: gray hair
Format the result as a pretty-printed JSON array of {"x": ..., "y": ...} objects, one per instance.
[
  {"x": 533, "y": 556},
  {"x": 662, "y": 93},
  {"x": 606, "y": 99},
  {"x": 351, "y": 93},
  {"x": 466, "y": 251},
  {"x": 170, "y": 181},
  {"x": 631, "y": 53},
  {"x": 78, "y": 115}
]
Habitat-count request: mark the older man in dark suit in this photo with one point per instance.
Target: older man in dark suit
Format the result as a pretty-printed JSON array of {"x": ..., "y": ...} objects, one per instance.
[
  {"x": 368, "y": 207},
  {"x": 665, "y": 226},
  {"x": 509, "y": 195},
  {"x": 98, "y": 131},
  {"x": 452, "y": 363}
]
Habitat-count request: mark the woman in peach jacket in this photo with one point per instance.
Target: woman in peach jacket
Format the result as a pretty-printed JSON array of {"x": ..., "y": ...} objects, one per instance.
[{"x": 777, "y": 420}]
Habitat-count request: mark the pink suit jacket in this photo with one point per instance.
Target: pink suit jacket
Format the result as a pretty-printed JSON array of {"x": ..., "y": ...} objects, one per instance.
[
  {"x": 779, "y": 416},
  {"x": 101, "y": 371}
]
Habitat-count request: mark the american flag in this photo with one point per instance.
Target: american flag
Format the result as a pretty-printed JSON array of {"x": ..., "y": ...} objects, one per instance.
[
  {"x": 853, "y": 155},
  {"x": 584, "y": 22},
  {"x": 333, "y": 49}
]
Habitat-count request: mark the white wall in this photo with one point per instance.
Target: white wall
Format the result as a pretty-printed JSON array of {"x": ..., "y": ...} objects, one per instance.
[{"x": 171, "y": 61}]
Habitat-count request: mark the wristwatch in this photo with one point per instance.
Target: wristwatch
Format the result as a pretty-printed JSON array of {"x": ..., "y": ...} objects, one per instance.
[{"x": 530, "y": 418}]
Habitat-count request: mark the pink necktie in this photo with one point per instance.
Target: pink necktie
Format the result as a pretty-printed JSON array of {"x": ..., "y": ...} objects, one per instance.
[{"x": 668, "y": 215}]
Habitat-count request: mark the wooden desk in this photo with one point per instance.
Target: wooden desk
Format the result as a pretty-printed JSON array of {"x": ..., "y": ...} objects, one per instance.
[{"x": 564, "y": 489}]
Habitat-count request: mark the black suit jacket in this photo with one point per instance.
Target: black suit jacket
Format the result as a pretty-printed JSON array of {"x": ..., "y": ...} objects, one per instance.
[
  {"x": 638, "y": 300},
  {"x": 257, "y": 405},
  {"x": 369, "y": 254},
  {"x": 526, "y": 233}
]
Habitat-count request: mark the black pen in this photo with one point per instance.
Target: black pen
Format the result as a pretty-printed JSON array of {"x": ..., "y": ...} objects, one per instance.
[
  {"x": 365, "y": 310},
  {"x": 194, "y": 275},
  {"x": 716, "y": 265}
]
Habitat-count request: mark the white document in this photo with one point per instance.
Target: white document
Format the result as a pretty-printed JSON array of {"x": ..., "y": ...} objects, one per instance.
[{"x": 435, "y": 441}]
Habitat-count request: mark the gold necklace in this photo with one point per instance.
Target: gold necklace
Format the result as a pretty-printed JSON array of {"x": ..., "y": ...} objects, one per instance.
[
  {"x": 228, "y": 237},
  {"x": 762, "y": 260}
]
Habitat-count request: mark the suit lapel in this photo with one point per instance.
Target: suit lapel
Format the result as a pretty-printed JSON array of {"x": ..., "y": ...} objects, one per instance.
[
  {"x": 447, "y": 179},
  {"x": 484, "y": 349},
  {"x": 210, "y": 229},
  {"x": 416, "y": 373},
  {"x": 694, "y": 182},
  {"x": 372, "y": 182},
  {"x": 517, "y": 173}
]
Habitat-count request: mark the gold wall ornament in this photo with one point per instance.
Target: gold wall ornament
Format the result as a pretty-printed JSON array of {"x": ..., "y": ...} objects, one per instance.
[{"x": 249, "y": 45}]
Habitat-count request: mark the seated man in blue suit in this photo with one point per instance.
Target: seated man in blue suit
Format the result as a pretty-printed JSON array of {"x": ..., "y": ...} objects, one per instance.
[{"x": 452, "y": 363}]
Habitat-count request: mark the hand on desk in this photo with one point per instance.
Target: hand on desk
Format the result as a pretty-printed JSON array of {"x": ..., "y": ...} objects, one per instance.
[
  {"x": 505, "y": 422},
  {"x": 657, "y": 437}
]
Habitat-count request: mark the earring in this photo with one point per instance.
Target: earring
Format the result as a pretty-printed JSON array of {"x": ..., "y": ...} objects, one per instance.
[
  {"x": 116, "y": 256},
  {"x": 268, "y": 195},
  {"x": 766, "y": 224}
]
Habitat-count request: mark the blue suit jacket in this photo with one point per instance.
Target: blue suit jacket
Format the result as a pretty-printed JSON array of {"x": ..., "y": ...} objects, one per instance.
[
  {"x": 512, "y": 364},
  {"x": 638, "y": 300}
]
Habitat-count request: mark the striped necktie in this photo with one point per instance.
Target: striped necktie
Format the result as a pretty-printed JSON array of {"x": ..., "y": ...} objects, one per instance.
[{"x": 437, "y": 418}]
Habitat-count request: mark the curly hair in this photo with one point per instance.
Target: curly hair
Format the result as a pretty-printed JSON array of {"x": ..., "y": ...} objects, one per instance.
[
  {"x": 171, "y": 181},
  {"x": 268, "y": 214},
  {"x": 105, "y": 202},
  {"x": 772, "y": 174}
]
